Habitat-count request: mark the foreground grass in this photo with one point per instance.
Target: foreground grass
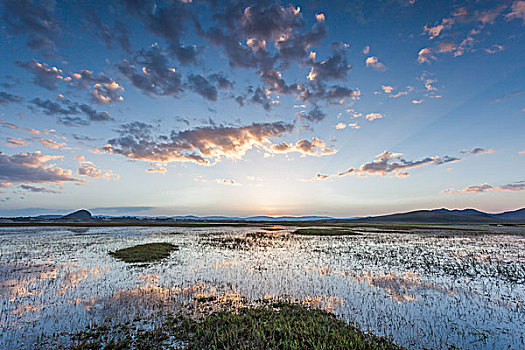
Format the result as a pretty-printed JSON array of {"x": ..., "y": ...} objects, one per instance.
[
  {"x": 325, "y": 232},
  {"x": 145, "y": 252},
  {"x": 278, "y": 326}
]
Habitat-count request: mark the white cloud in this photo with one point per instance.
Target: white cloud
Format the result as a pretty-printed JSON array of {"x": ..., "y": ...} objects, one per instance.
[
  {"x": 373, "y": 116},
  {"x": 374, "y": 62}
]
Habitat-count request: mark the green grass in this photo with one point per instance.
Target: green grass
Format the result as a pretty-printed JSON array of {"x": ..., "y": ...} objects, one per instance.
[
  {"x": 279, "y": 326},
  {"x": 325, "y": 232},
  {"x": 145, "y": 252}
]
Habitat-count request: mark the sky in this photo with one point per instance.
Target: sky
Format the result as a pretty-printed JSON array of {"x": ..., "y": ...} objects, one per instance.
[{"x": 204, "y": 107}]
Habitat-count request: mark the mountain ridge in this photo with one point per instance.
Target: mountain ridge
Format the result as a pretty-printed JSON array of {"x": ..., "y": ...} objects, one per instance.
[{"x": 441, "y": 215}]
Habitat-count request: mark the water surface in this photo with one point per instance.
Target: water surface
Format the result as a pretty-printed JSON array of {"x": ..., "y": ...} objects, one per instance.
[{"x": 427, "y": 288}]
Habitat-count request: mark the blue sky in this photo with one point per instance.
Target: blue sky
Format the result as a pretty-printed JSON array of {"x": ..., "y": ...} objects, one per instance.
[{"x": 341, "y": 108}]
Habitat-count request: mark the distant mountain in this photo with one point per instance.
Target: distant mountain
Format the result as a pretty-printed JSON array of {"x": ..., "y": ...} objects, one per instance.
[
  {"x": 79, "y": 214},
  {"x": 288, "y": 218},
  {"x": 419, "y": 216},
  {"x": 511, "y": 215},
  {"x": 254, "y": 218},
  {"x": 448, "y": 216},
  {"x": 47, "y": 217}
]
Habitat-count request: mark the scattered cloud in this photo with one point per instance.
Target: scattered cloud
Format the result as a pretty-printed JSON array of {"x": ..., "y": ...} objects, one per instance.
[
  {"x": 168, "y": 21},
  {"x": 387, "y": 89},
  {"x": 16, "y": 142},
  {"x": 31, "y": 131},
  {"x": 435, "y": 31},
  {"x": 373, "y": 116},
  {"x": 260, "y": 26},
  {"x": 207, "y": 145},
  {"x": 446, "y": 46},
  {"x": 152, "y": 72},
  {"x": 30, "y": 168},
  {"x": 35, "y": 189},
  {"x": 428, "y": 84},
  {"x": 88, "y": 168},
  {"x": 104, "y": 90},
  {"x": 315, "y": 147},
  {"x": 202, "y": 145},
  {"x": 64, "y": 109},
  {"x": 341, "y": 126},
  {"x": 494, "y": 49},
  {"x": 507, "y": 95},
  {"x": 227, "y": 182},
  {"x": 373, "y": 61},
  {"x": 203, "y": 87},
  {"x": 315, "y": 115},
  {"x": 386, "y": 163},
  {"x": 478, "y": 150},
  {"x": 157, "y": 170},
  {"x": 459, "y": 26},
  {"x": 518, "y": 11},
  {"x": 425, "y": 55},
  {"x": 118, "y": 34},
  {"x": 8, "y": 125},
  {"x": 52, "y": 144},
  {"x": 36, "y": 20},
  {"x": 485, "y": 187},
  {"x": 334, "y": 67},
  {"x": 6, "y": 98}
]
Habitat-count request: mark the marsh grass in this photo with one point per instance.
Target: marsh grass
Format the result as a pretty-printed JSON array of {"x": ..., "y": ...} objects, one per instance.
[
  {"x": 144, "y": 253},
  {"x": 326, "y": 232},
  {"x": 276, "y": 326}
]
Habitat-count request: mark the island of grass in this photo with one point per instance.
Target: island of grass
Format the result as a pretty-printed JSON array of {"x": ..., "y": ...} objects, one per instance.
[
  {"x": 328, "y": 231},
  {"x": 276, "y": 326},
  {"x": 144, "y": 253}
]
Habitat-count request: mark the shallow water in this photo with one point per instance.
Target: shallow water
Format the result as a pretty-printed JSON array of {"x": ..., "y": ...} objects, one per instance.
[{"x": 430, "y": 288}]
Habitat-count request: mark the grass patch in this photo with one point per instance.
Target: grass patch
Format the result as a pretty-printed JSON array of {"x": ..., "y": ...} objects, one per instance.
[
  {"x": 279, "y": 326},
  {"x": 325, "y": 232},
  {"x": 143, "y": 253}
]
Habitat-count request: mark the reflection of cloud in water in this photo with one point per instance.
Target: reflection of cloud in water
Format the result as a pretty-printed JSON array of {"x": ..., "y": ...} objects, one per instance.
[
  {"x": 72, "y": 278},
  {"x": 23, "y": 309},
  {"x": 25, "y": 279},
  {"x": 87, "y": 303},
  {"x": 399, "y": 287},
  {"x": 14, "y": 289},
  {"x": 204, "y": 297}
]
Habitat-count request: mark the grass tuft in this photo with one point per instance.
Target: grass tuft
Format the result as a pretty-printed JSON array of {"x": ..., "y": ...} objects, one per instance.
[
  {"x": 283, "y": 326},
  {"x": 144, "y": 252}
]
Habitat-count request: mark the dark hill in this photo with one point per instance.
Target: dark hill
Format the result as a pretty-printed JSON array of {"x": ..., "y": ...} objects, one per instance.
[
  {"x": 437, "y": 216},
  {"x": 79, "y": 214},
  {"x": 518, "y": 215}
]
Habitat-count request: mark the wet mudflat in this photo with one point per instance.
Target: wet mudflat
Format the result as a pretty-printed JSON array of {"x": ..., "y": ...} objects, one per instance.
[{"x": 425, "y": 288}]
